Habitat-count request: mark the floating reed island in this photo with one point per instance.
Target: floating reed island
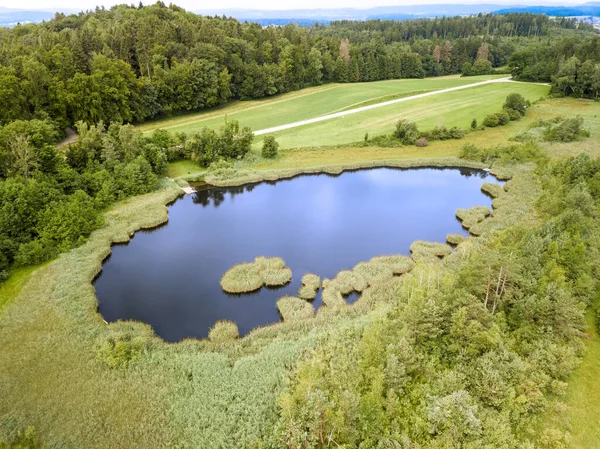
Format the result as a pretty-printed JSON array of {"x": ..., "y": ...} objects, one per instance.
[
  {"x": 250, "y": 276},
  {"x": 310, "y": 286}
]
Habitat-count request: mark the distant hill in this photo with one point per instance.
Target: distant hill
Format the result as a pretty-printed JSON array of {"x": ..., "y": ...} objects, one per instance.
[
  {"x": 310, "y": 16},
  {"x": 10, "y": 17},
  {"x": 588, "y": 9}
]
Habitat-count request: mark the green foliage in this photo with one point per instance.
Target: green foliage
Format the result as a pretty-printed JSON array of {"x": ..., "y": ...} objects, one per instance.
[
  {"x": 207, "y": 147},
  {"x": 51, "y": 201},
  {"x": 469, "y": 357},
  {"x": 474, "y": 123},
  {"x": 269, "y": 148},
  {"x": 503, "y": 154},
  {"x": 517, "y": 103},
  {"x": 566, "y": 131},
  {"x": 406, "y": 132}
]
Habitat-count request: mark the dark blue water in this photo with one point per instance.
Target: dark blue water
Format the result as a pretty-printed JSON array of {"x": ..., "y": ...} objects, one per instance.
[{"x": 169, "y": 277}]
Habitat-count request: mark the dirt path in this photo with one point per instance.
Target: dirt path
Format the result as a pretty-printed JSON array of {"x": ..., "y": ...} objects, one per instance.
[
  {"x": 71, "y": 137},
  {"x": 376, "y": 105}
]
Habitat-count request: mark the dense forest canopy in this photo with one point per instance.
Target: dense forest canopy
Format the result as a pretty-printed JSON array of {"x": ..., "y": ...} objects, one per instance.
[{"x": 131, "y": 64}]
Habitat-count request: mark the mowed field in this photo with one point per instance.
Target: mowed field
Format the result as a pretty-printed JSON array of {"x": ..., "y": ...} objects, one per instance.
[
  {"x": 308, "y": 103},
  {"x": 456, "y": 108}
]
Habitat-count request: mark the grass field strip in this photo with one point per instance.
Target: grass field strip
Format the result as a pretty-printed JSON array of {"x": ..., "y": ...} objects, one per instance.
[{"x": 374, "y": 106}]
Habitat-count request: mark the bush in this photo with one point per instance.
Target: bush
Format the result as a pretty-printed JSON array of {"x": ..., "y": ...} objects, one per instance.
[
  {"x": 270, "y": 147},
  {"x": 503, "y": 118},
  {"x": 120, "y": 349},
  {"x": 406, "y": 132},
  {"x": 491, "y": 120},
  {"x": 516, "y": 102},
  {"x": 568, "y": 130},
  {"x": 513, "y": 114},
  {"x": 422, "y": 142},
  {"x": 474, "y": 123}
]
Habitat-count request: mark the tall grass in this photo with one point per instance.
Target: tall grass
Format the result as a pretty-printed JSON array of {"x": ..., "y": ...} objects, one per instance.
[
  {"x": 248, "y": 277},
  {"x": 292, "y": 308}
]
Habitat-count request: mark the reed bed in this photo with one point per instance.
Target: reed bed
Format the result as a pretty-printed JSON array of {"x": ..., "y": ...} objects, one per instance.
[
  {"x": 332, "y": 298},
  {"x": 455, "y": 239},
  {"x": 493, "y": 190},
  {"x": 293, "y": 309},
  {"x": 250, "y": 276},
  {"x": 310, "y": 286},
  {"x": 398, "y": 263},
  {"x": 429, "y": 251},
  {"x": 470, "y": 217},
  {"x": 224, "y": 331}
]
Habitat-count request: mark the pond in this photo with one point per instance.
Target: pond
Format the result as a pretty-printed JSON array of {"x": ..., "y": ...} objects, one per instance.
[{"x": 169, "y": 276}]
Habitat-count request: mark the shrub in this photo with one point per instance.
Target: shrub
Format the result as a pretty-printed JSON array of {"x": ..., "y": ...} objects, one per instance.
[
  {"x": 513, "y": 114},
  {"x": 474, "y": 123},
  {"x": 406, "y": 132},
  {"x": 491, "y": 120},
  {"x": 422, "y": 142},
  {"x": 292, "y": 308},
  {"x": 503, "y": 118},
  {"x": 568, "y": 130},
  {"x": 223, "y": 331},
  {"x": 516, "y": 102},
  {"x": 270, "y": 147}
]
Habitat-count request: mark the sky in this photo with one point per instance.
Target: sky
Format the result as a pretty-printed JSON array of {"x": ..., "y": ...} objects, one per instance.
[{"x": 194, "y": 5}]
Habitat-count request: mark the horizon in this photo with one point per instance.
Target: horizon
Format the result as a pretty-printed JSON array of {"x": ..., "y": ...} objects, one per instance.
[{"x": 271, "y": 5}]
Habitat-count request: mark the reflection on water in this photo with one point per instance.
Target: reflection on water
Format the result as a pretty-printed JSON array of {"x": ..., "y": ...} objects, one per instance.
[{"x": 169, "y": 277}]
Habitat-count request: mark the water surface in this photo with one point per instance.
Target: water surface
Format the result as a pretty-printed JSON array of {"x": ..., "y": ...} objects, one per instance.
[{"x": 169, "y": 276}]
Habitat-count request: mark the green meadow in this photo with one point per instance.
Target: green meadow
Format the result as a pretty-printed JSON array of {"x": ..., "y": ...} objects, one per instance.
[{"x": 308, "y": 103}]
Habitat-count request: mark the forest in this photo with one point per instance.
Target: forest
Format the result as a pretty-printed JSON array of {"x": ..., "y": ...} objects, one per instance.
[{"x": 132, "y": 64}]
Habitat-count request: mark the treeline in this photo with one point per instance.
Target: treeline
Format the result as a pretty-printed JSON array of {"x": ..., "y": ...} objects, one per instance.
[
  {"x": 471, "y": 360},
  {"x": 570, "y": 62},
  {"x": 131, "y": 64}
]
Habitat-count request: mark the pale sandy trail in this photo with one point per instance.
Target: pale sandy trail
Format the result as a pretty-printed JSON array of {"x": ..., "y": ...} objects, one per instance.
[{"x": 376, "y": 105}]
